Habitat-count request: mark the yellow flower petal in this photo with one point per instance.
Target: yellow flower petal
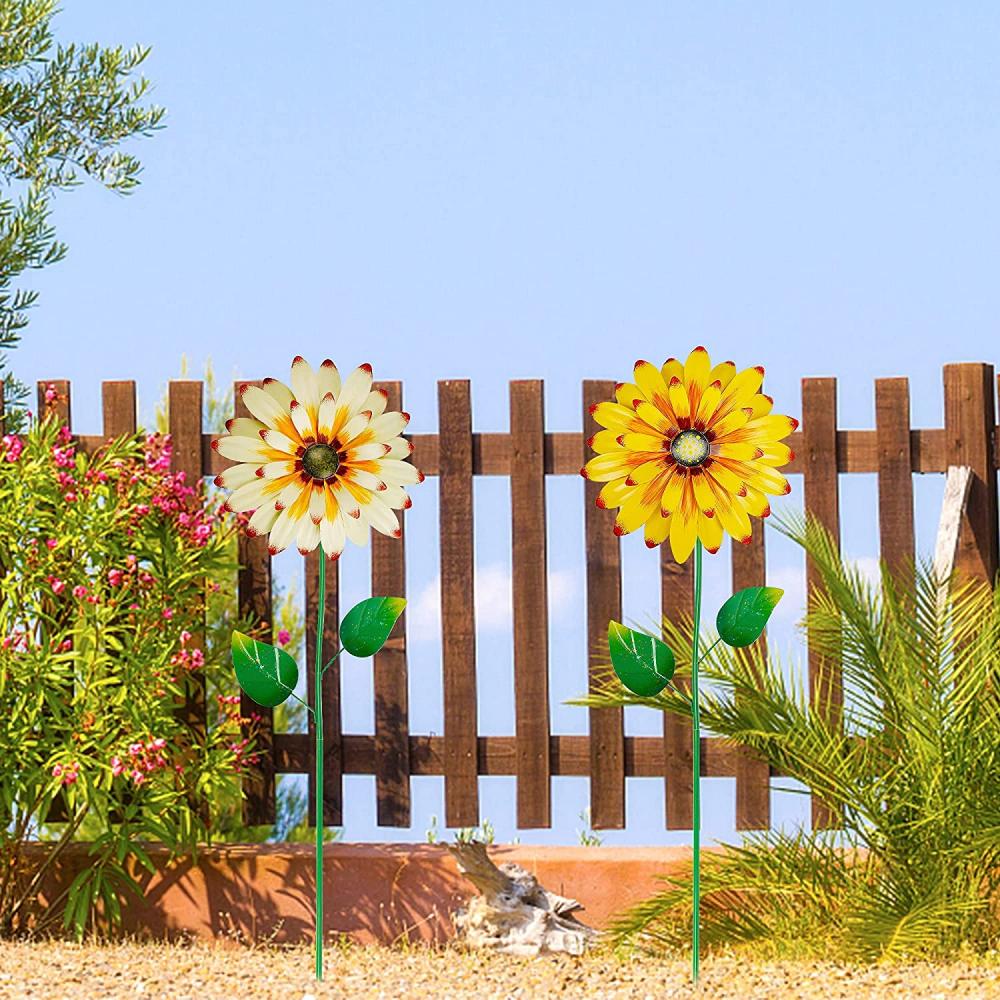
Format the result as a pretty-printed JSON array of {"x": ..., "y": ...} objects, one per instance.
[
  {"x": 683, "y": 531},
  {"x": 605, "y": 441},
  {"x": 672, "y": 492},
  {"x": 657, "y": 529},
  {"x": 630, "y": 395},
  {"x": 679, "y": 400},
  {"x": 710, "y": 532},
  {"x": 696, "y": 370},
  {"x": 651, "y": 382},
  {"x": 640, "y": 505},
  {"x": 613, "y": 493}
]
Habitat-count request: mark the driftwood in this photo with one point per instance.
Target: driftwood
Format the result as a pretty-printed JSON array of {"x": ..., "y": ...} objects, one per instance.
[{"x": 513, "y": 913}]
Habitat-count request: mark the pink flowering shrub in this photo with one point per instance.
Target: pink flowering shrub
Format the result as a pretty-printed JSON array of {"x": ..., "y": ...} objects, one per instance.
[{"x": 103, "y": 562}]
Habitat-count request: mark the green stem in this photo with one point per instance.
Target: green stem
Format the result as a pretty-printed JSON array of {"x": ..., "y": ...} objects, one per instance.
[
  {"x": 318, "y": 764},
  {"x": 329, "y": 663},
  {"x": 696, "y": 761}
]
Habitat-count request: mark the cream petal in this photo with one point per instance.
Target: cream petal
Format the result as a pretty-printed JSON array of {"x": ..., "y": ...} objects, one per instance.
[
  {"x": 327, "y": 418},
  {"x": 283, "y": 531},
  {"x": 290, "y": 493},
  {"x": 367, "y": 452},
  {"x": 278, "y": 470},
  {"x": 317, "y": 503},
  {"x": 241, "y": 449},
  {"x": 355, "y": 426},
  {"x": 303, "y": 421},
  {"x": 280, "y": 442},
  {"x": 307, "y": 536},
  {"x": 248, "y": 497},
  {"x": 345, "y": 500},
  {"x": 389, "y": 425},
  {"x": 355, "y": 389},
  {"x": 333, "y": 536},
  {"x": 278, "y": 391},
  {"x": 236, "y": 476},
  {"x": 381, "y": 517},
  {"x": 356, "y": 528},
  {"x": 375, "y": 402},
  {"x": 262, "y": 520},
  {"x": 399, "y": 448},
  {"x": 246, "y": 426},
  {"x": 364, "y": 479},
  {"x": 305, "y": 384},
  {"x": 395, "y": 497},
  {"x": 398, "y": 473},
  {"x": 328, "y": 378},
  {"x": 263, "y": 405}
]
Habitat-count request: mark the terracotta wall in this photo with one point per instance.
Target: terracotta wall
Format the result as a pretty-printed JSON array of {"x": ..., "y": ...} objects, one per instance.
[{"x": 373, "y": 891}]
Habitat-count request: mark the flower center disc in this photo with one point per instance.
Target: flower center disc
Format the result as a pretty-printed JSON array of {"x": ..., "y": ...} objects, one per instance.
[
  {"x": 320, "y": 461},
  {"x": 689, "y": 448}
]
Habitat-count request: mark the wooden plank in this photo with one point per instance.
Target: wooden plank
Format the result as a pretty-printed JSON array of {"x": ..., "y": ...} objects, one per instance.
[
  {"x": 119, "y": 411},
  {"x": 392, "y": 713},
  {"x": 530, "y": 603},
  {"x": 60, "y": 406},
  {"x": 897, "y": 542},
  {"x": 458, "y": 640},
  {"x": 820, "y": 488},
  {"x": 604, "y": 602},
  {"x": 253, "y": 589},
  {"x": 570, "y": 755},
  {"x": 857, "y": 451},
  {"x": 677, "y": 604},
  {"x": 753, "y": 789},
  {"x": 969, "y": 419},
  {"x": 956, "y": 497},
  {"x": 333, "y": 754}
]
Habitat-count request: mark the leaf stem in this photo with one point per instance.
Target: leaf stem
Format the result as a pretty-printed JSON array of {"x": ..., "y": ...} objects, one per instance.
[{"x": 329, "y": 663}]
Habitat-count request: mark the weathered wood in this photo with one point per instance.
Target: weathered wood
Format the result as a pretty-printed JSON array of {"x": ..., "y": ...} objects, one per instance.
[
  {"x": 118, "y": 409},
  {"x": 604, "y": 602},
  {"x": 897, "y": 542},
  {"x": 458, "y": 641},
  {"x": 514, "y": 913},
  {"x": 530, "y": 604},
  {"x": 184, "y": 404},
  {"x": 677, "y": 605},
  {"x": 969, "y": 419},
  {"x": 956, "y": 498},
  {"x": 253, "y": 589},
  {"x": 333, "y": 755},
  {"x": 392, "y": 714},
  {"x": 753, "y": 789},
  {"x": 819, "y": 430}
]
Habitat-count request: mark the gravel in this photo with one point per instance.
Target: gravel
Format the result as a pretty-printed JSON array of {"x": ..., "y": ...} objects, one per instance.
[{"x": 57, "y": 970}]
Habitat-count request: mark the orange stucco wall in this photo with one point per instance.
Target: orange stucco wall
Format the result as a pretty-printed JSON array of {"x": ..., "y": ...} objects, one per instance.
[{"x": 374, "y": 892}]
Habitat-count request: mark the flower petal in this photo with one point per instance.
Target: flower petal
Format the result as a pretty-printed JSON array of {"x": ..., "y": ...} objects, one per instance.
[
  {"x": 327, "y": 379},
  {"x": 333, "y": 536}
]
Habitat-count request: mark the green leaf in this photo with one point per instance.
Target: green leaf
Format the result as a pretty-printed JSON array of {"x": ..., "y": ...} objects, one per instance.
[
  {"x": 368, "y": 624},
  {"x": 266, "y": 673},
  {"x": 742, "y": 618},
  {"x": 642, "y": 662}
]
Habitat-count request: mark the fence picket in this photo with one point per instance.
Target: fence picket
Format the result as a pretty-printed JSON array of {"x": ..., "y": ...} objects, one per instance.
[
  {"x": 676, "y": 604},
  {"x": 897, "y": 543}
]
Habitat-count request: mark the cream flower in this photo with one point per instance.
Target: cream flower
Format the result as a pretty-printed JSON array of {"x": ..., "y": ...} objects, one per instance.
[{"x": 320, "y": 462}]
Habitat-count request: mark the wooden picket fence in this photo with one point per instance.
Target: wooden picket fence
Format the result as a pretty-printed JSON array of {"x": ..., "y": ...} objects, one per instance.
[{"x": 527, "y": 454}]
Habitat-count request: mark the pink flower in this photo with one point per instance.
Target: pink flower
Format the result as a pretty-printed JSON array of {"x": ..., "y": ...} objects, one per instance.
[
  {"x": 117, "y": 767},
  {"x": 168, "y": 612},
  {"x": 58, "y": 586},
  {"x": 51, "y": 542},
  {"x": 185, "y": 635},
  {"x": 284, "y": 637},
  {"x": 79, "y": 591},
  {"x": 135, "y": 749},
  {"x": 115, "y": 577},
  {"x": 70, "y": 497},
  {"x": 57, "y": 771},
  {"x": 51, "y": 395},
  {"x": 12, "y": 447},
  {"x": 138, "y": 777}
]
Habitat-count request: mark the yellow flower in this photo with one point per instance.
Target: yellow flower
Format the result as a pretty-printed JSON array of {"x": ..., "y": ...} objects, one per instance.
[
  {"x": 321, "y": 462},
  {"x": 689, "y": 451}
]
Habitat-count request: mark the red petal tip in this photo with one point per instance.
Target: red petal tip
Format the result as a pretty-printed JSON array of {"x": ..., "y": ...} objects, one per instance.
[
  {"x": 629, "y": 481},
  {"x": 747, "y": 540},
  {"x": 217, "y": 480},
  {"x": 398, "y": 533},
  {"x": 590, "y": 441},
  {"x": 791, "y": 455},
  {"x": 619, "y": 530},
  {"x": 710, "y": 512},
  {"x": 712, "y": 551},
  {"x": 700, "y": 348},
  {"x": 315, "y": 520},
  {"x": 716, "y": 384},
  {"x": 273, "y": 549},
  {"x": 298, "y": 359},
  {"x": 383, "y": 393},
  {"x": 793, "y": 422},
  {"x": 215, "y": 444},
  {"x": 293, "y": 403},
  {"x": 639, "y": 364},
  {"x": 303, "y": 552},
  {"x": 592, "y": 408},
  {"x": 226, "y": 506},
  {"x": 650, "y": 544},
  {"x": 366, "y": 368},
  {"x": 244, "y": 387},
  {"x": 259, "y": 472},
  {"x": 759, "y": 453},
  {"x": 766, "y": 512},
  {"x": 252, "y": 532},
  {"x": 407, "y": 503},
  {"x": 420, "y": 477},
  {"x": 619, "y": 386},
  {"x": 356, "y": 514},
  {"x": 742, "y": 491},
  {"x": 600, "y": 502},
  {"x": 620, "y": 440},
  {"x": 405, "y": 415},
  {"x": 382, "y": 487},
  {"x": 278, "y": 505},
  {"x": 229, "y": 425},
  {"x": 759, "y": 368},
  {"x": 788, "y": 489},
  {"x": 269, "y": 380},
  {"x": 327, "y": 363},
  {"x": 674, "y": 380}
]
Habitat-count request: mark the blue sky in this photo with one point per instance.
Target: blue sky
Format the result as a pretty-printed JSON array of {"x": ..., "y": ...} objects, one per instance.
[{"x": 449, "y": 190}]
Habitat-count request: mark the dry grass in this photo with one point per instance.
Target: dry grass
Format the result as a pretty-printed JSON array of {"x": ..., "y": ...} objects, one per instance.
[{"x": 55, "y": 970}]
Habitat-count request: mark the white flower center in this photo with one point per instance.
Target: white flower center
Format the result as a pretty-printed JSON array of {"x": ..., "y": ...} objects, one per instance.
[
  {"x": 320, "y": 461},
  {"x": 689, "y": 448}
]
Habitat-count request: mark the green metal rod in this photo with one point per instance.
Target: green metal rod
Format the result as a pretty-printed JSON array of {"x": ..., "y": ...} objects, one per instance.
[
  {"x": 696, "y": 760},
  {"x": 318, "y": 764}
]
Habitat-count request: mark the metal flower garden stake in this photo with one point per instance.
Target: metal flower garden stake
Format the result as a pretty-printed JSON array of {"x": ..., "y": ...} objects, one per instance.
[
  {"x": 689, "y": 452},
  {"x": 320, "y": 464}
]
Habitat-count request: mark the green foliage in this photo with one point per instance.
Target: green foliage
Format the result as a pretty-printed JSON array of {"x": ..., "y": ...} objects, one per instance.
[
  {"x": 742, "y": 618},
  {"x": 915, "y": 775},
  {"x": 65, "y": 111},
  {"x": 642, "y": 662},
  {"x": 367, "y": 625},
  {"x": 267, "y": 673},
  {"x": 587, "y": 837},
  {"x": 102, "y": 562}
]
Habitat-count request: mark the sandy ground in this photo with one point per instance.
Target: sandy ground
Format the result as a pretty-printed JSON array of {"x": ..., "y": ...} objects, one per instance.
[{"x": 57, "y": 970}]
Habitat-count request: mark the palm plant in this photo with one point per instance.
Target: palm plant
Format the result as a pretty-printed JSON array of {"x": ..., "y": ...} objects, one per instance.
[{"x": 913, "y": 774}]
